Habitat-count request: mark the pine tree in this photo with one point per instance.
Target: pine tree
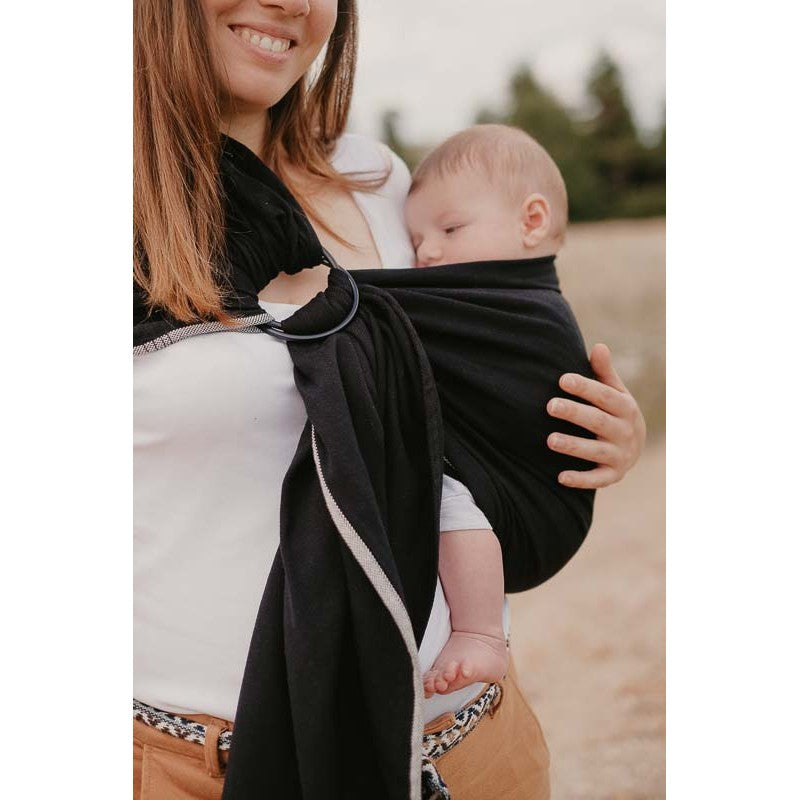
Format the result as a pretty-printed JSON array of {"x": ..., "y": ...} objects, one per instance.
[
  {"x": 541, "y": 114},
  {"x": 615, "y": 147},
  {"x": 608, "y": 171}
]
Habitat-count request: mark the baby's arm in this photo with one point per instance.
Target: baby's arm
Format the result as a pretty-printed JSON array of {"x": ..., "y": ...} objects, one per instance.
[{"x": 471, "y": 571}]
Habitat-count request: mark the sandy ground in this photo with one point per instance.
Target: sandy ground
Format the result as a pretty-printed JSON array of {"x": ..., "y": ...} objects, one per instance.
[
  {"x": 589, "y": 644},
  {"x": 613, "y": 275}
]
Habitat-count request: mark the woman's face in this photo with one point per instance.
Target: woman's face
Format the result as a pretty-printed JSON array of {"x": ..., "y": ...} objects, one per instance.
[{"x": 262, "y": 48}]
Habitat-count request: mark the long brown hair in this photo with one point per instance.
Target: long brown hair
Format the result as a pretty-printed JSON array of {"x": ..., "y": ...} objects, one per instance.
[{"x": 177, "y": 208}]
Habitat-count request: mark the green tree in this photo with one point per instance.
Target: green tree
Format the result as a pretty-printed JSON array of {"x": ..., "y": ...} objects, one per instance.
[
  {"x": 541, "y": 114},
  {"x": 608, "y": 171},
  {"x": 615, "y": 146},
  {"x": 632, "y": 174}
]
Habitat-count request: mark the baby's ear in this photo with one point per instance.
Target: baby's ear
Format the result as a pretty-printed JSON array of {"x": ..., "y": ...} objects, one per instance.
[{"x": 536, "y": 220}]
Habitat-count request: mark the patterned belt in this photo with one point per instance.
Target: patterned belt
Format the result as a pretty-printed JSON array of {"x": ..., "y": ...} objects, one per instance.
[
  {"x": 177, "y": 726},
  {"x": 434, "y": 745}
]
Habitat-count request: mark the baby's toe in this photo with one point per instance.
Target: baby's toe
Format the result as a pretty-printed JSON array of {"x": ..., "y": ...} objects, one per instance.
[
  {"x": 441, "y": 683},
  {"x": 451, "y": 671}
]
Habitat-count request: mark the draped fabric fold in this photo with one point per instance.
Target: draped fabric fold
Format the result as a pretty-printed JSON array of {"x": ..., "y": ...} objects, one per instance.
[
  {"x": 266, "y": 232},
  {"x": 498, "y": 335},
  {"x": 442, "y": 366}
]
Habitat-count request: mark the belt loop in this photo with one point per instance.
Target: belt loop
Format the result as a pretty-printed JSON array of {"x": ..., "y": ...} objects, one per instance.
[
  {"x": 497, "y": 700},
  {"x": 211, "y": 749}
]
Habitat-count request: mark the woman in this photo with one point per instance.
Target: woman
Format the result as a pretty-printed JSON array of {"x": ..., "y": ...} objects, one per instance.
[{"x": 204, "y": 435}]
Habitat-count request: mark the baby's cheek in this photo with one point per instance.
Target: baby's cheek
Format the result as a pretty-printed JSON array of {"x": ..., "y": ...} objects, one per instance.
[{"x": 457, "y": 251}]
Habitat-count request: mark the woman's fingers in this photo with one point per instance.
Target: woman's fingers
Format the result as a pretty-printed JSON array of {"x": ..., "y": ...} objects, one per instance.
[
  {"x": 598, "y": 451},
  {"x": 596, "y": 478},
  {"x": 617, "y": 402},
  {"x": 610, "y": 460},
  {"x": 613, "y": 416},
  {"x": 602, "y": 424},
  {"x": 600, "y": 359}
]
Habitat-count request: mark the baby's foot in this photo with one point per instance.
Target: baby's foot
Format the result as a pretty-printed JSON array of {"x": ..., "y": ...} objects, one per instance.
[{"x": 466, "y": 658}]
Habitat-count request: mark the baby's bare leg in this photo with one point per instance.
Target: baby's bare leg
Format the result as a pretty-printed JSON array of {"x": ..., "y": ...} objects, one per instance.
[{"x": 471, "y": 570}]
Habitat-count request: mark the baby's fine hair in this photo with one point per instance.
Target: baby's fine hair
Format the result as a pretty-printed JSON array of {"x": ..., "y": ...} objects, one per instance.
[{"x": 509, "y": 158}]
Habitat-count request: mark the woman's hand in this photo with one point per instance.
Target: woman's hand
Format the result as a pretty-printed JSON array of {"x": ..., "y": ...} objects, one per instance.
[{"x": 614, "y": 416}]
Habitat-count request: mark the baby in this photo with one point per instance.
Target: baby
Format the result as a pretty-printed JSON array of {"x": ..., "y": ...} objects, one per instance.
[{"x": 488, "y": 193}]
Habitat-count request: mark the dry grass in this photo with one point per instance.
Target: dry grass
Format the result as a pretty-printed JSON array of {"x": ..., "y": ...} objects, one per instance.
[
  {"x": 589, "y": 644},
  {"x": 612, "y": 273}
]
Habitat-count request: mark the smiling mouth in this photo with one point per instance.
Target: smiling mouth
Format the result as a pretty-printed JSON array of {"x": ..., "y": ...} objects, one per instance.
[{"x": 270, "y": 44}]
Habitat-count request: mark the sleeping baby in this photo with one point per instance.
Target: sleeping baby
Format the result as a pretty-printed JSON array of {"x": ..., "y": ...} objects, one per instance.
[{"x": 488, "y": 193}]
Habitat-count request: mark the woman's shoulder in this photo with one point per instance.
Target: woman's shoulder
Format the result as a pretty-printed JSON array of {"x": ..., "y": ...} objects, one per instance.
[{"x": 367, "y": 157}]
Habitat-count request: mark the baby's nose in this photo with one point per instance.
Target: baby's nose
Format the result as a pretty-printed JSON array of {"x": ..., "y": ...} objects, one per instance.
[{"x": 428, "y": 254}]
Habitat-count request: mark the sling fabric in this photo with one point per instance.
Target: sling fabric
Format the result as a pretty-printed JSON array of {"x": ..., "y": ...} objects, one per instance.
[{"x": 448, "y": 364}]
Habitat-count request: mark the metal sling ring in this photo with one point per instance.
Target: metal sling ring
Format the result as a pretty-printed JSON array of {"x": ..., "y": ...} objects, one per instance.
[{"x": 274, "y": 328}]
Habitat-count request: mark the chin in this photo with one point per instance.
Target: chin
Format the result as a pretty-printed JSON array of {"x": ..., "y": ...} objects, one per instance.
[{"x": 256, "y": 92}]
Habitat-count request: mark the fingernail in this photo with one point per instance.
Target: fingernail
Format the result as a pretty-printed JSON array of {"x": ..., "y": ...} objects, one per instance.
[
  {"x": 556, "y": 440},
  {"x": 555, "y": 406},
  {"x": 569, "y": 382},
  {"x": 565, "y": 479}
]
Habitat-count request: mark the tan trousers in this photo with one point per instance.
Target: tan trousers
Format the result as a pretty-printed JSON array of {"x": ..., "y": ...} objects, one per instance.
[{"x": 504, "y": 758}]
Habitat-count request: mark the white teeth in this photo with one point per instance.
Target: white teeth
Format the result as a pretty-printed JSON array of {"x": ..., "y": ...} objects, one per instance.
[{"x": 264, "y": 42}]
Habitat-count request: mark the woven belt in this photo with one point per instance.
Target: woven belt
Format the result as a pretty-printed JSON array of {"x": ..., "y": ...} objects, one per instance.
[
  {"x": 434, "y": 745},
  {"x": 177, "y": 726}
]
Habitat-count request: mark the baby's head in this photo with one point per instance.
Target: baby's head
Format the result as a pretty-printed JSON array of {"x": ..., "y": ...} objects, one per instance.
[{"x": 488, "y": 193}]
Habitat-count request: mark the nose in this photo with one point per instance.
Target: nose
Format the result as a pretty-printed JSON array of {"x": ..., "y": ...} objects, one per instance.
[
  {"x": 428, "y": 253},
  {"x": 294, "y": 8}
]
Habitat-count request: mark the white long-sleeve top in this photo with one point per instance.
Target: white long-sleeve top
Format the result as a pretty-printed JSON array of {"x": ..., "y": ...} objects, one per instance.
[{"x": 217, "y": 418}]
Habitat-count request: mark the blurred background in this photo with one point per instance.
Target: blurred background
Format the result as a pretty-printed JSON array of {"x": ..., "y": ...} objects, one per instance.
[{"x": 587, "y": 79}]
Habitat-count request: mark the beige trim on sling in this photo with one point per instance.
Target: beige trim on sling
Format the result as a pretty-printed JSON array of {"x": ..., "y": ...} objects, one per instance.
[{"x": 388, "y": 594}]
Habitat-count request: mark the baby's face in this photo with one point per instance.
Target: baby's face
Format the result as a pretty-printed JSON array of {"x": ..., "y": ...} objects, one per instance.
[{"x": 463, "y": 217}]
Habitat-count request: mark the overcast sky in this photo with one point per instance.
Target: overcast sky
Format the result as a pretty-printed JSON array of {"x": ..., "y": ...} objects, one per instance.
[{"x": 438, "y": 61}]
